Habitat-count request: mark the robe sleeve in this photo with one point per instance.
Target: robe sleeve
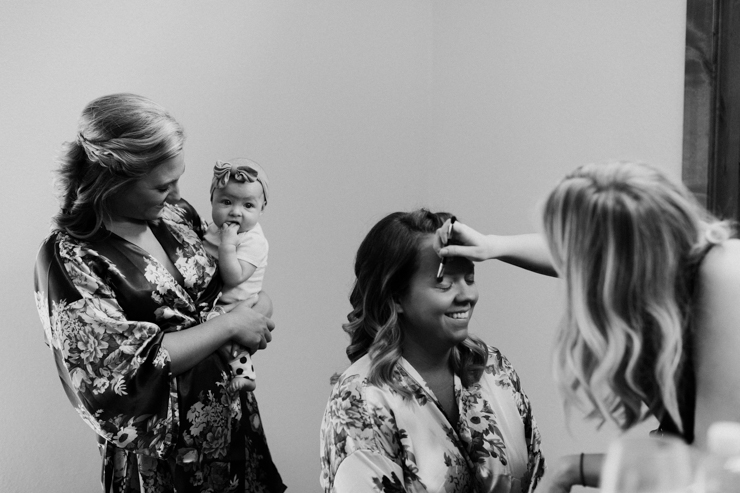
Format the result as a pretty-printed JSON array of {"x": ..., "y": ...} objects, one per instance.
[
  {"x": 360, "y": 449},
  {"x": 113, "y": 370}
]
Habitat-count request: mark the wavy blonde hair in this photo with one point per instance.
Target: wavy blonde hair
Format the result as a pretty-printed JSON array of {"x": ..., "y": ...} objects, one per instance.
[
  {"x": 120, "y": 138},
  {"x": 627, "y": 242},
  {"x": 385, "y": 262}
]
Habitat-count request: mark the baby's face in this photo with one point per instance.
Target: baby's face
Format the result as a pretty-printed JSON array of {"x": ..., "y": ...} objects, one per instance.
[{"x": 238, "y": 203}]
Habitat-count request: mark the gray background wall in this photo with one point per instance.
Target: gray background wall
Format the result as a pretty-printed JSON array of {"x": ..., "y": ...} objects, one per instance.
[{"x": 356, "y": 109}]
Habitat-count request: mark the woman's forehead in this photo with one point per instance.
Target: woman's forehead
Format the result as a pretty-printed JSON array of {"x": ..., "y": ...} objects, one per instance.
[{"x": 168, "y": 171}]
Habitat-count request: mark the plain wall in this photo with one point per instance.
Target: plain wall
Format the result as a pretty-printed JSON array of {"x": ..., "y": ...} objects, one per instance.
[{"x": 356, "y": 109}]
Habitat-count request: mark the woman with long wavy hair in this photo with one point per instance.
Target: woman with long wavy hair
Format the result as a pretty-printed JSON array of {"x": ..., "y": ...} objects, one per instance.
[
  {"x": 652, "y": 286},
  {"x": 123, "y": 288},
  {"x": 425, "y": 406}
]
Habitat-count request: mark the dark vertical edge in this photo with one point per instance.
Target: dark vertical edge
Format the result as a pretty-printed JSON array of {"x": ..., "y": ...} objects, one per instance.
[
  {"x": 726, "y": 177},
  {"x": 699, "y": 97}
]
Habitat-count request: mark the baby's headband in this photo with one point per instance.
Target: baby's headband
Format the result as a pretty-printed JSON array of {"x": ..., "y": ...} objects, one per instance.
[{"x": 242, "y": 170}]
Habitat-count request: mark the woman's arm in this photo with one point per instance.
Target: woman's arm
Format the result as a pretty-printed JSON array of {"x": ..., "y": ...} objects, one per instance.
[
  {"x": 242, "y": 326},
  {"x": 115, "y": 370},
  {"x": 528, "y": 251},
  {"x": 263, "y": 306},
  {"x": 718, "y": 339}
]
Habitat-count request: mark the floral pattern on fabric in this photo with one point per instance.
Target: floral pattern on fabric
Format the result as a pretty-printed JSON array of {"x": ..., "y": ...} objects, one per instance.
[
  {"x": 375, "y": 440},
  {"x": 105, "y": 306}
]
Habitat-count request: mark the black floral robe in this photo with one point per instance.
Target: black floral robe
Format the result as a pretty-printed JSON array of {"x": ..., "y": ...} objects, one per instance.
[{"x": 105, "y": 306}]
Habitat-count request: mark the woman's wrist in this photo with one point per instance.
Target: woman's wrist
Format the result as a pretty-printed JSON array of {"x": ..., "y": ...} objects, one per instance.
[
  {"x": 497, "y": 246},
  {"x": 572, "y": 473},
  {"x": 565, "y": 472},
  {"x": 187, "y": 348},
  {"x": 223, "y": 325},
  {"x": 231, "y": 327},
  {"x": 578, "y": 470},
  {"x": 528, "y": 251},
  {"x": 592, "y": 469}
]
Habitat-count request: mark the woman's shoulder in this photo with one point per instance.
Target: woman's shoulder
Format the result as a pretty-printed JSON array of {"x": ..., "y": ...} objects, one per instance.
[
  {"x": 63, "y": 263},
  {"x": 722, "y": 263},
  {"x": 496, "y": 359},
  {"x": 47, "y": 251},
  {"x": 55, "y": 236},
  {"x": 500, "y": 369},
  {"x": 354, "y": 377},
  {"x": 57, "y": 242},
  {"x": 51, "y": 240},
  {"x": 62, "y": 255},
  {"x": 354, "y": 381}
]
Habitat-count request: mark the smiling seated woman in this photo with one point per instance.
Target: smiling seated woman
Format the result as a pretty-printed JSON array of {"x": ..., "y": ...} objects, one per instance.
[{"x": 424, "y": 406}]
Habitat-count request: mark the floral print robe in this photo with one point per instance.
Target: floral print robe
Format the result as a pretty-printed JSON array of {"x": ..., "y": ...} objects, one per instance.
[
  {"x": 375, "y": 440},
  {"x": 105, "y": 305}
]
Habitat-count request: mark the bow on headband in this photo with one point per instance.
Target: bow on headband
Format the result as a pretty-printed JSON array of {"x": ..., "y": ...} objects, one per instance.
[{"x": 224, "y": 170}]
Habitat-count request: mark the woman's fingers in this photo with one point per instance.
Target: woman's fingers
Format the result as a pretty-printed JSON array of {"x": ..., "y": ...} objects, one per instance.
[
  {"x": 253, "y": 329},
  {"x": 474, "y": 253},
  {"x": 455, "y": 251},
  {"x": 441, "y": 236},
  {"x": 257, "y": 337},
  {"x": 465, "y": 235},
  {"x": 467, "y": 242}
]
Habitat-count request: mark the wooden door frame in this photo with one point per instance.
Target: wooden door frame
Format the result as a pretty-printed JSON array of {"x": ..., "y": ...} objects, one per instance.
[{"x": 711, "y": 135}]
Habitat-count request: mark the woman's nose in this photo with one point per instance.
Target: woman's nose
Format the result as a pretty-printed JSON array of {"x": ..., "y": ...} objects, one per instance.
[
  {"x": 467, "y": 293},
  {"x": 174, "y": 194}
]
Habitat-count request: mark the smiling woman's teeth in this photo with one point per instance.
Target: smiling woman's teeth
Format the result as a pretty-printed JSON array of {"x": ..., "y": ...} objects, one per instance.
[{"x": 458, "y": 315}]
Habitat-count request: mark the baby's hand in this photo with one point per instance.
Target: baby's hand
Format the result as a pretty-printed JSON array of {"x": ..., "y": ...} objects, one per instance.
[{"x": 229, "y": 233}]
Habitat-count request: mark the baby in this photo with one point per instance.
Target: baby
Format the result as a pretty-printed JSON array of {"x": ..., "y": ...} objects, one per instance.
[{"x": 239, "y": 191}]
